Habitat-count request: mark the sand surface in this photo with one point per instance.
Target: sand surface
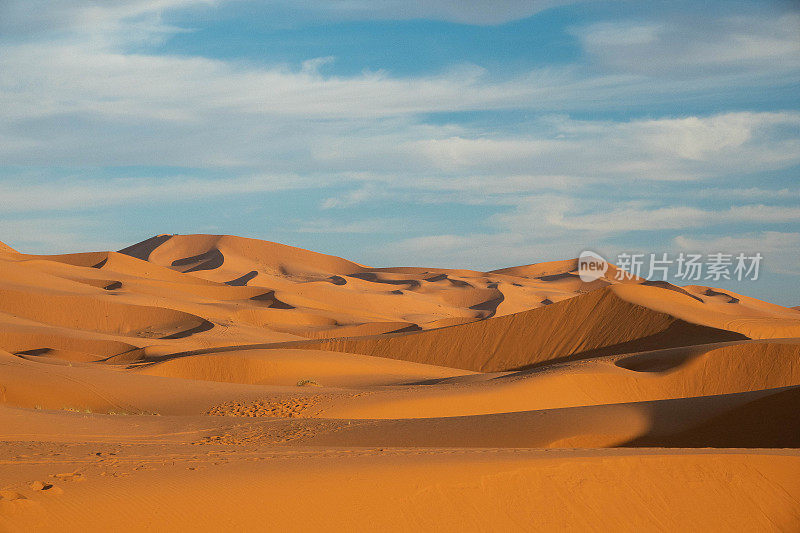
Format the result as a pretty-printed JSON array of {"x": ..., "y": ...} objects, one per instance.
[{"x": 204, "y": 382}]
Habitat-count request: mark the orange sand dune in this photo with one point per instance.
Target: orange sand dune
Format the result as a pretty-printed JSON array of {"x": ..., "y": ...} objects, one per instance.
[
  {"x": 587, "y": 325},
  {"x": 331, "y": 283},
  {"x": 218, "y": 382},
  {"x": 6, "y": 249}
]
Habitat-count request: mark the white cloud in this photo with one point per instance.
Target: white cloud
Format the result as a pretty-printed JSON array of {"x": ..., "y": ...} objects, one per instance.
[
  {"x": 386, "y": 159},
  {"x": 54, "y": 235},
  {"x": 354, "y": 197},
  {"x": 55, "y": 79},
  {"x": 542, "y": 238},
  {"x": 702, "y": 46},
  {"x": 477, "y": 12},
  {"x": 687, "y": 148},
  {"x": 478, "y": 251},
  {"x": 749, "y": 193},
  {"x": 765, "y": 241},
  {"x": 382, "y": 163},
  {"x": 372, "y": 225},
  {"x": 103, "y": 24},
  {"x": 481, "y": 251},
  {"x": 597, "y": 218},
  {"x": 601, "y": 35},
  {"x": 779, "y": 249},
  {"x": 83, "y": 193}
]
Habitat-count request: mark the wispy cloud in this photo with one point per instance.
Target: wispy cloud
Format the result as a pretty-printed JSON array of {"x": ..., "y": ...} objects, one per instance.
[
  {"x": 372, "y": 225},
  {"x": 42, "y": 235},
  {"x": 779, "y": 249},
  {"x": 550, "y": 227},
  {"x": 700, "y": 47},
  {"x": 560, "y": 212},
  {"x": 71, "y": 194},
  {"x": 476, "y": 12},
  {"x": 749, "y": 193},
  {"x": 480, "y": 251},
  {"x": 102, "y": 23},
  {"x": 663, "y": 149},
  {"x": 765, "y": 241},
  {"x": 365, "y": 193},
  {"x": 558, "y": 154}
]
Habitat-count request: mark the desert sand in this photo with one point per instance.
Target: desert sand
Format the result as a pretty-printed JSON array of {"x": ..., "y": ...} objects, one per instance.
[{"x": 205, "y": 382}]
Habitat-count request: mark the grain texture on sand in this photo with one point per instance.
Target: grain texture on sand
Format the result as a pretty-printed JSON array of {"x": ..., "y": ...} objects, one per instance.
[
  {"x": 431, "y": 490},
  {"x": 211, "y": 382}
]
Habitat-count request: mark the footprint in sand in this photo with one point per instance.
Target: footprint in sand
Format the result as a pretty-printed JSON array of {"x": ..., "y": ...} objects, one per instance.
[
  {"x": 10, "y": 496},
  {"x": 42, "y": 486},
  {"x": 69, "y": 476},
  {"x": 11, "y": 501}
]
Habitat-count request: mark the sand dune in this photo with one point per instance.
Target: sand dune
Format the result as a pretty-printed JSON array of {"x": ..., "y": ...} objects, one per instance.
[
  {"x": 584, "y": 326},
  {"x": 6, "y": 249},
  {"x": 209, "y": 381}
]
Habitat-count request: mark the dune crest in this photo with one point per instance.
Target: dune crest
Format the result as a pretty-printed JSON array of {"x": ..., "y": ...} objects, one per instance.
[{"x": 6, "y": 249}]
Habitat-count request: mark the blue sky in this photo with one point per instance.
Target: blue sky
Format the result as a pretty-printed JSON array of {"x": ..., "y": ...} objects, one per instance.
[{"x": 442, "y": 133}]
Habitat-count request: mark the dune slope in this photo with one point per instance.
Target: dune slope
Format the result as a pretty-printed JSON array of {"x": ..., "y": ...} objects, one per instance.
[{"x": 596, "y": 323}]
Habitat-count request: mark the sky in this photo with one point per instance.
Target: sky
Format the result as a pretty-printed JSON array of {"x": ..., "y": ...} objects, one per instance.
[{"x": 451, "y": 133}]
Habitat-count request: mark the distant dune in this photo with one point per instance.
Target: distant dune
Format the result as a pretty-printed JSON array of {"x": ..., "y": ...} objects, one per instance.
[
  {"x": 4, "y": 248},
  {"x": 208, "y": 381}
]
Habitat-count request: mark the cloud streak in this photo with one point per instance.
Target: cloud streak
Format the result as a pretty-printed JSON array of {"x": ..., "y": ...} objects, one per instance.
[
  {"x": 79, "y": 194},
  {"x": 682, "y": 48}
]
